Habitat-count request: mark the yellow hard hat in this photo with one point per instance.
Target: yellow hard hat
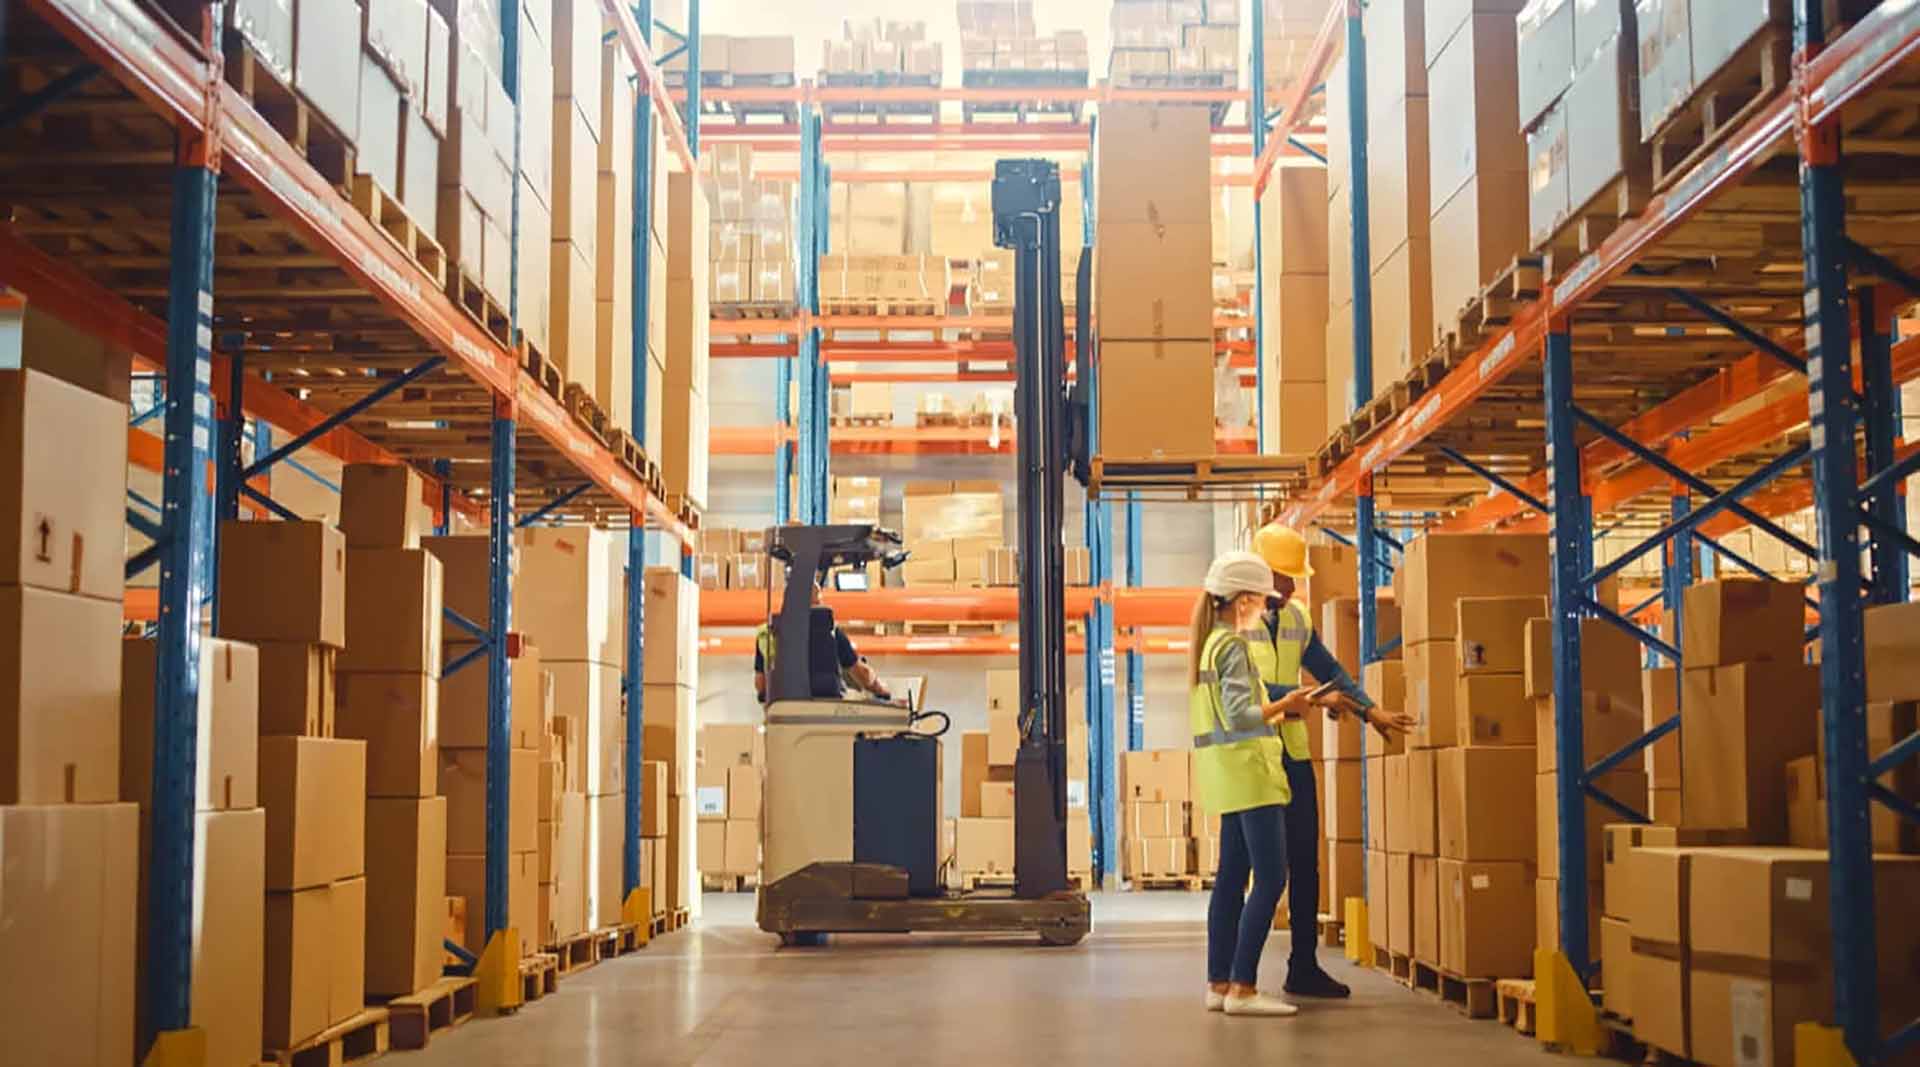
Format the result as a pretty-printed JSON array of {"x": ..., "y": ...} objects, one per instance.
[{"x": 1284, "y": 550}]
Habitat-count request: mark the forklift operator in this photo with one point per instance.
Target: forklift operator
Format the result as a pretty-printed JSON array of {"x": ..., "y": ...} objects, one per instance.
[{"x": 854, "y": 668}]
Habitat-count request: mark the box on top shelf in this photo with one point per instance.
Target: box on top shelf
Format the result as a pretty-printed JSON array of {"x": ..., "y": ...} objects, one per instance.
[
  {"x": 1545, "y": 56},
  {"x": 1740, "y": 726},
  {"x": 569, "y": 598},
  {"x": 393, "y": 611}
]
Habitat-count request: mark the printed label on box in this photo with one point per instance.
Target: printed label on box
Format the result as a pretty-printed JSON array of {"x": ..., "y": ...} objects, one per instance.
[
  {"x": 1076, "y": 793},
  {"x": 1752, "y": 1033},
  {"x": 712, "y": 801}
]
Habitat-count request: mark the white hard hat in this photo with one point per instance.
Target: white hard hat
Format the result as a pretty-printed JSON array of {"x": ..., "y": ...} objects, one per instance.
[{"x": 1239, "y": 572}]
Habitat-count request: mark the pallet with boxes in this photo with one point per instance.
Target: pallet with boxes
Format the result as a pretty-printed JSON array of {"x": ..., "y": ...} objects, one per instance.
[
  {"x": 880, "y": 53},
  {"x": 729, "y": 558},
  {"x": 729, "y": 61},
  {"x": 729, "y": 782},
  {"x": 750, "y": 244},
  {"x": 978, "y": 847},
  {"x": 1175, "y": 44},
  {"x": 999, "y": 49}
]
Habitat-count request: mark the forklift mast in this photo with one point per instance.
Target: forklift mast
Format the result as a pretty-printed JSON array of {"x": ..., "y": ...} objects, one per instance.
[{"x": 1026, "y": 220}]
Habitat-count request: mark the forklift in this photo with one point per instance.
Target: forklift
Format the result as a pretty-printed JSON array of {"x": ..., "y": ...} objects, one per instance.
[{"x": 852, "y": 799}]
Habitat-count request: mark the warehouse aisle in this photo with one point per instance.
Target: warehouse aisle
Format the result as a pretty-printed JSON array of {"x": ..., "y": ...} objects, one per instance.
[{"x": 722, "y": 994}]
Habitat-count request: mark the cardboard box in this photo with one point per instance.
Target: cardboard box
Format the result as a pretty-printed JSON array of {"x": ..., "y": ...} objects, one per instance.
[
  {"x": 653, "y": 799},
  {"x": 463, "y": 782},
  {"x": 1656, "y": 910},
  {"x": 1742, "y": 725},
  {"x": 1339, "y": 626},
  {"x": 1157, "y": 775},
  {"x": 569, "y": 914},
  {"x": 1627, "y": 785},
  {"x": 1806, "y": 804},
  {"x": 1545, "y": 56},
  {"x": 1150, "y": 281},
  {"x": 1426, "y": 908},
  {"x": 298, "y": 987},
  {"x": 1609, "y": 659},
  {"x": 742, "y": 847},
  {"x": 393, "y": 611},
  {"x": 1400, "y": 833},
  {"x": 1147, "y": 818},
  {"x": 975, "y": 771},
  {"x": 569, "y": 594},
  {"x": 743, "y": 793},
  {"x": 397, "y": 715},
  {"x": 1492, "y": 709},
  {"x": 1439, "y": 569},
  {"x": 1490, "y": 632},
  {"x": 1423, "y": 801},
  {"x": 670, "y": 653},
  {"x": 667, "y": 735},
  {"x": 283, "y": 581},
  {"x": 1402, "y": 903},
  {"x": 297, "y": 688},
  {"x": 1157, "y": 398},
  {"x": 314, "y": 790},
  {"x": 1661, "y": 700},
  {"x": 227, "y": 732},
  {"x": 1606, "y": 723},
  {"x": 462, "y": 700},
  {"x": 1379, "y": 903},
  {"x": 605, "y": 855},
  {"x": 466, "y": 567},
  {"x": 1340, "y": 799},
  {"x": 1377, "y": 800},
  {"x": 1486, "y": 922},
  {"x": 1486, "y": 798},
  {"x": 1616, "y": 966},
  {"x": 1293, "y": 221},
  {"x": 229, "y": 923},
  {"x": 995, "y": 801},
  {"x": 1892, "y": 639},
  {"x": 1475, "y": 122},
  {"x": 713, "y": 845},
  {"x": 62, "y": 476},
  {"x": 591, "y": 692},
  {"x": 984, "y": 846},
  {"x": 406, "y": 889},
  {"x": 732, "y": 745},
  {"x": 1429, "y": 679},
  {"x": 467, "y": 878},
  {"x": 382, "y": 505},
  {"x": 69, "y": 875},
  {"x": 1887, "y": 725},
  {"x": 1738, "y": 620},
  {"x": 1152, "y": 165}
]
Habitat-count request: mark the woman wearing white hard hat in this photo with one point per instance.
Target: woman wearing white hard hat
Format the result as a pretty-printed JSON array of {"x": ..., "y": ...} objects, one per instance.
[{"x": 1240, "y": 771}]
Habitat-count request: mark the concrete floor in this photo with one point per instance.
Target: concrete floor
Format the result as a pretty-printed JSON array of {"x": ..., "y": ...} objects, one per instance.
[{"x": 722, "y": 993}]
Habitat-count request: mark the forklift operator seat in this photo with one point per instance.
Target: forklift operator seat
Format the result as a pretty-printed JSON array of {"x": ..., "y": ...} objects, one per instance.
[{"x": 823, "y": 656}]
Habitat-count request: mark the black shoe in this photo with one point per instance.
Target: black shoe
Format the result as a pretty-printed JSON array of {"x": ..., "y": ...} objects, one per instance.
[{"x": 1315, "y": 983}]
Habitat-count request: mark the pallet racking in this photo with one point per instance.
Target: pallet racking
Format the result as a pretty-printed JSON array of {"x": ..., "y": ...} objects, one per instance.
[
  {"x": 350, "y": 323},
  {"x": 1664, "y": 358}
]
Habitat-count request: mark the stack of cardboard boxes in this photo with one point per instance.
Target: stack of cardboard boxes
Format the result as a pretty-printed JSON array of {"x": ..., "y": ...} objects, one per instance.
[
  {"x": 1157, "y": 40},
  {"x": 735, "y": 60},
  {"x": 951, "y": 528},
  {"x": 1290, "y": 29},
  {"x": 670, "y": 723},
  {"x": 403, "y": 104},
  {"x": 907, "y": 283},
  {"x": 284, "y": 587},
  {"x": 68, "y": 851},
  {"x": 1399, "y": 196},
  {"x": 389, "y": 686},
  {"x": 1155, "y": 789},
  {"x": 730, "y": 558},
  {"x": 683, "y": 441},
  {"x": 1152, "y": 281},
  {"x": 877, "y": 51},
  {"x": 983, "y": 835},
  {"x": 613, "y": 308},
  {"x": 560, "y": 839},
  {"x": 1293, "y": 318},
  {"x": 476, "y": 157},
  {"x": 750, "y": 246},
  {"x": 998, "y": 35},
  {"x": 728, "y": 781},
  {"x": 1336, "y": 750}
]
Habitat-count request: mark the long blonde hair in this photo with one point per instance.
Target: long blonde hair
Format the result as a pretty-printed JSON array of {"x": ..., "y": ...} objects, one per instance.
[{"x": 1206, "y": 616}]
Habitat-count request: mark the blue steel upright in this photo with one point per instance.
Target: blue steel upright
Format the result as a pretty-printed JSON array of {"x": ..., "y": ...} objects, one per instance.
[
  {"x": 1833, "y": 420},
  {"x": 185, "y": 572},
  {"x": 229, "y": 433},
  {"x": 643, "y": 312},
  {"x": 1881, "y": 417},
  {"x": 811, "y": 371},
  {"x": 1136, "y": 659},
  {"x": 1102, "y": 779},
  {"x": 1365, "y": 534},
  {"x": 500, "y": 531},
  {"x": 1570, "y": 536}
]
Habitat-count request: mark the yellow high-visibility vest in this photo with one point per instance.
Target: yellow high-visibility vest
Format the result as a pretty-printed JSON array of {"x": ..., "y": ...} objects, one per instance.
[{"x": 1238, "y": 764}]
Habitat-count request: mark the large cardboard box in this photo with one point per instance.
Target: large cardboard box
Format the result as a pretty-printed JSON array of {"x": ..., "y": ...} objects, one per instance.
[
  {"x": 229, "y": 923},
  {"x": 1156, "y": 398},
  {"x": 68, "y": 876},
  {"x": 467, "y": 878},
  {"x": 63, "y": 469},
  {"x": 712, "y": 834},
  {"x": 1474, "y": 121},
  {"x": 591, "y": 692},
  {"x": 1738, "y": 620},
  {"x": 1491, "y": 632},
  {"x": 1340, "y": 799},
  {"x": 975, "y": 771},
  {"x": 59, "y": 700},
  {"x": 298, "y": 986},
  {"x": 466, "y": 567},
  {"x": 1742, "y": 725},
  {"x": 226, "y": 764},
  {"x": 1423, "y": 801},
  {"x": 1294, "y": 220},
  {"x": 1155, "y": 775},
  {"x": 1606, "y": 723},
  {"x": 283, "y": 581},
  {"x": 569, "y": 868},
  {"x": 732, "y": 745},
  {"x": 462, "y": 701},
  {"x": 1429, "y": 679},
  {"x": 1609, "y": 659},
  {"x": 1893, "y": 652},
  {"x": 1377, "y": 801},
  {"x": 397, "y": 715},
  {"x": 1426, "y": 908},
  {"x": 1439, "y": 569},
  {"x": 1616, "y": 965},
  {"x": 1545, "y": 56},
  {"x": 667, "y": 735},
  {"x": 1492, "y": 709},
  {"x": 1887, "y": 725},
  {"x": 670, "y": 649},
  {"x": 984, "y": 846},
  {"x": 1546, "y": 918},
  {"x": 1151, "y": 281},
  {"x": 297, "y": 688},
  {"x": 1402, "y": 903},
  {"x": 1402, "y": 311},
  {"x": 1379, "y": 903},
  {"x": 381, "y": 505},
  {"x": 1486, "y": 804},
  {"x": 653, "y": 799},
  {"x": 606, "y": 855},
  {"x": 1657, "y": 915},
  {"x": 1399, "y": 835},
  {"x": 406, "y": 893},
  {"x": 1396, "y": 50},
  {"x": 314, "y": 790},
  {"x": 1152, "y": 164},
  {"x": 1486, "y": 918},
  {"x": 742, "y": 854},
  {"x": 1339, "y": 624},
  {"x": 569, "y": 594},
  {"x": 393, "y": 611},
  {"x": 463, "y": 782}
]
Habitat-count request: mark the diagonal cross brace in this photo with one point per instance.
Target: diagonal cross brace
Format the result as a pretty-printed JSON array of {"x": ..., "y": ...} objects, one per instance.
[
  {"x": 1500, "y": 481},
  {"x": 340, "y": 418},
  {"x": 1720, "y": 502}
]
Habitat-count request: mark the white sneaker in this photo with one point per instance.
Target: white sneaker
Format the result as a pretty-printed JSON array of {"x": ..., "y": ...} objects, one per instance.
[
  {"x": 1216, "y": 1001},
  {"x": 1262, "y": 1004}
]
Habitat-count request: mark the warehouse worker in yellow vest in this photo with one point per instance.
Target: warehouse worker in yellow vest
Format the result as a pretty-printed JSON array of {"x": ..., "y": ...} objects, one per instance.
[
  {"x": 1240, "y": 773},
  {"x": 1283, "y": 644},
  {"x": 855, "y": 671}
]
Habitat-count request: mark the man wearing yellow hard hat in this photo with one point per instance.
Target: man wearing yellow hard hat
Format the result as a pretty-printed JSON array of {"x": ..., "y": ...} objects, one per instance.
[{"x": 1287, "y": 645}]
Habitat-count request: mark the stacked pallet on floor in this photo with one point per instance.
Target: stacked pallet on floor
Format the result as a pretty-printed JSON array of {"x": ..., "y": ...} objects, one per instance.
[
  {"x": 670, "y": 727},
  {"x": 999, "y": 49},
  {"x": 389, "y": 686},
  {"x": 284, "y": 588},
  {"x": 1730, "y": 907},
  {"x": 728, "y": 782},
  {"x": 1160, "y": 819},
  {"x": 983, "y": 835},
  {"x": 880, "y": 53},
  {"x": 70, "y": 852}
]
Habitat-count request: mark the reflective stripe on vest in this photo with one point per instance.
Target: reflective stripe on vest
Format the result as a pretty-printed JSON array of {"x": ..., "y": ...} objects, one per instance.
[
  {"x": 1276, "y": 656},
  {"x": 1238, "y": 765}
]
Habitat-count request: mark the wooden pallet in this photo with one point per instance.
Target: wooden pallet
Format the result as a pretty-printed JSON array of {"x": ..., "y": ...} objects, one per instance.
[
  {"x": 1187, "y": 882},
  {"x": 679, "y": 918},
  {"x": 1332, "y": 932},
  {"x": 1398, "y": 966},
  {"x": 586, "y": 411},
  {"x": 1473, "y": 997},
  {"x": 860, "y": 420},
  {"x": 359, "y": 1038},
  {"x": 539, "y": 975},
  {"x": 622, "y": 445},
  {"x": 392, "y": 219},
  {"x": 1515, "y": 999},
  {"x": 545, "y": 373},
  {"x": 292, "y": 117},
  {"x": 472, "y": 298},
  {"x": 958, "y": 628},
  {"x": 729, "y": 883},
  {"x": 752, "y": 309},
  {"x": 1722, "y": 103},
  {"x": 445, "y": 1004},
  {"x": 1026, "y": 111},
  {"x": 1588, "y": 224},
  {"x": 880, "y": 111},
  {"x": 974, "y": 881},
  {"x": 918, "y": 307},
  {"x": 576, "y": 953}
]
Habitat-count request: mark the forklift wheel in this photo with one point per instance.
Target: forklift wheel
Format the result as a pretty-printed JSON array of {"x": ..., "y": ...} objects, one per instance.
[
  {"x": 803, "y": 939},
  {"x": 1061, "y": 938}
]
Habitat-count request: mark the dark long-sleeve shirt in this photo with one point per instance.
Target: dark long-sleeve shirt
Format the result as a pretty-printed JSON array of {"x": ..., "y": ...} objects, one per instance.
[{"x": 1319, "y": 661}]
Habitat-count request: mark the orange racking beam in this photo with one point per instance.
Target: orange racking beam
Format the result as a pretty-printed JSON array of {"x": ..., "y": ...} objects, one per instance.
[
  {"x": 806, "y": 91},
  {"x": 1166, "y": 606},
  {"x": 1313, "y": 73},
  {"x": 653, "y": 82},
  {"x": 774, "y": 327},
  {"x": 911, "y": 440},
  {"x": 936, "y": 645}
]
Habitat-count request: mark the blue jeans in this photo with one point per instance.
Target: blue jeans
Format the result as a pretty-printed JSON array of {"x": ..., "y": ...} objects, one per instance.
[
  {"x": 1303, "y": 864},
  {"x": 1239, "y": 919}
]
